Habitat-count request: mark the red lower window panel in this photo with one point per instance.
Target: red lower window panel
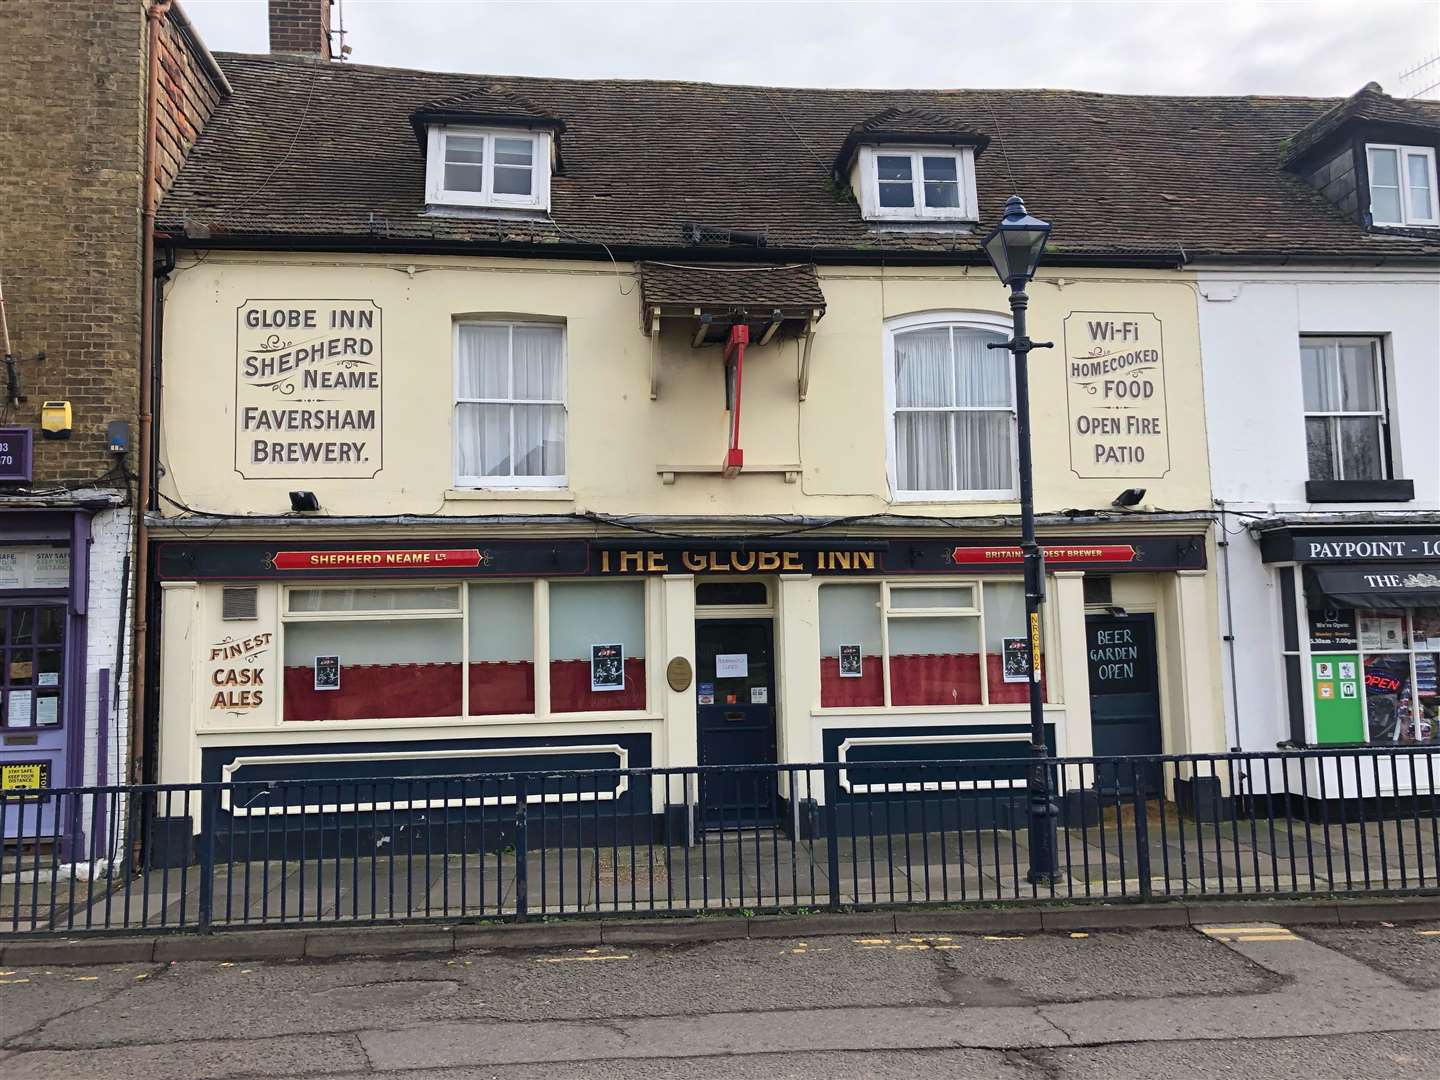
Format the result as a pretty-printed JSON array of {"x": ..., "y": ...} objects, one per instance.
[
  {"x": 923, "y": 679},
  {"x": 500, "y": 687},
  {"x": 570, "y": 688},
  {"x": 375, "y": 691},
  {"x": 868, "y": 691}
]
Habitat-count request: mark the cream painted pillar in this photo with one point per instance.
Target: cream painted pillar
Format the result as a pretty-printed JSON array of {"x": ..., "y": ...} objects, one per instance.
[
  {"x": 179, "y": 711},
  {"x": 682, "y": 746},
  {"x": 1068, "y": 589},
  {"x": 797, "y": 654},
  {"x": 1197, "y": 645}
]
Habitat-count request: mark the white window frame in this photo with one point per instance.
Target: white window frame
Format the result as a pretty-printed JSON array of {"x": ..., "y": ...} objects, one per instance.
[
  {"x": 964, "y": 157},
  {"x": 960, "y": 320},
  {"x": 1407, "y": 211},
  {"x": 1380, "y": 414},
  {"x": 511, "y": 482},
  {"x": 437, "y": 194}
]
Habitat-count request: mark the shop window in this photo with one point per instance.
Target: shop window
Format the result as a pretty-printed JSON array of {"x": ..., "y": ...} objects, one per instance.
[
  {"x": 502, "y": 649},
  {"x": 510, "y": 405},
  {"x": 1373, "y": 675},
  {"x": 373, "y": 653},
  {"x": 32, "y": 665},
  {"x": 1346, "y": 423},
  {"x": 597, "y": 646},
  {"x": 952, "y": 423},
  {"x": 916, "y": 645}
]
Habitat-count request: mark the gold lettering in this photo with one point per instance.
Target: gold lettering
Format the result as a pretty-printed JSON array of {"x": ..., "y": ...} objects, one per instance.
[
  {"x": 655, "y": 562},
  {"x": 768, "y": 560},
  {"x": 743, "y": 561},
  {"x": 714, "y": 563},
  {"x": 634, "y": 560},
  {"x": 792, "y": 562},
  {"x": 604, "y": 562},
  {"x": 841, "y": 560},
  {"x": 694, "y": 562},
  {"x": 864, "y": 560}
]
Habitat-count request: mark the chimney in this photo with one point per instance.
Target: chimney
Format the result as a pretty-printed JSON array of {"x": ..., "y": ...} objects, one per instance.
[{"x": 300, "y": 27}]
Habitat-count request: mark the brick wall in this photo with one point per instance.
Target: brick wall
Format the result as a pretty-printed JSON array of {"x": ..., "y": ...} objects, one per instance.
[
  {"x": 300, "y": 26},
  {"x": 188, "y": 95},
  {"x": 72, "y": 80}
]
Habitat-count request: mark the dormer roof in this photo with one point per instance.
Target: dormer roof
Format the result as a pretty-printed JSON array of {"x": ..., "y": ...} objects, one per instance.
[
  {"x": 913, "y": 126},
  {"x": 1369, "y": 105},
  {"x": 484, "y": 106}
]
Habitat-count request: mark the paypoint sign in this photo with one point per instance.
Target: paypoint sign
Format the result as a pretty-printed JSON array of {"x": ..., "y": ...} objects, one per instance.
[{"x": 1115, "y": 390}]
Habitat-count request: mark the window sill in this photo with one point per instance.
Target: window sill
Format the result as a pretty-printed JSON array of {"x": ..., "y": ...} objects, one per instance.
[
  {"x": 1354, "y": 491},
  {"x": 426, "y": 722},
  {"x": 564, "y": 495},
  {"x": 942, "y": 497}
]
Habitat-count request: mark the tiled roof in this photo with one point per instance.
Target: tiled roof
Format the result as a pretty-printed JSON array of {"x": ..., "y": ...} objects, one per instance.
[
  {"x": 907, "y": 125},
  {"x": 756, "y": 287},
  {"x": 1370, "y": 104},
  {"x": 312, "y": 152}
]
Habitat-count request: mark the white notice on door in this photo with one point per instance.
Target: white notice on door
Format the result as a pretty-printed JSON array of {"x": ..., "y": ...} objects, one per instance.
[
  {"x": 732, "y": 665},
  {"x": 19, "y": 711}
]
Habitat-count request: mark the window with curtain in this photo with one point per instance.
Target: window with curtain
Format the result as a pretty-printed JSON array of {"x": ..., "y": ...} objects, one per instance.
[
  {"x": 510, "y": 404},
  {"x": 884, "y": 644},
  {"x": 1345, "y": 416},
  {"x": 954, "y": 412}
]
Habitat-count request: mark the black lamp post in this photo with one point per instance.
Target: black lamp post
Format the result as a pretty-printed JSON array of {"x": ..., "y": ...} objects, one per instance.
[{"x": 1014, "y": 247}]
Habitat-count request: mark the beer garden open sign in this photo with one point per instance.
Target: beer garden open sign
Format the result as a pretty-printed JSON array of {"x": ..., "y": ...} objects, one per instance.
[
  {"x": 1115, "y": 391},
  {"x": 308, "y": 388}
]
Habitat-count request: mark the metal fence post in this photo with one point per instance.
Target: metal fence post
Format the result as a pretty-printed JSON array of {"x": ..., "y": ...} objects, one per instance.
[
  {"x": 832, "y": 836},
  {"x": 522, "y": 879},
  {"x": 209, "y": 808},
  {"x": 1142, "y": 827}
]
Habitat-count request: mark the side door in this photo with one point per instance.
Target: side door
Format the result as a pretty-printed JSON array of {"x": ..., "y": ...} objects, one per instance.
[
  {"x": 735, "y": 710},
  {"x": 1124, "y": 695}
]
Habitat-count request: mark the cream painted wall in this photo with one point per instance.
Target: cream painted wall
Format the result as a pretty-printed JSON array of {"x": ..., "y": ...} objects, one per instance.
[{"x": 619, "y": 439}]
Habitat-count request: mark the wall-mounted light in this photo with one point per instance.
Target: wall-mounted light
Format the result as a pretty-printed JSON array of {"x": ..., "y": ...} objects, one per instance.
[
  {"x": 1128, "y": 498},
  {"x": 304, "y": 502}
]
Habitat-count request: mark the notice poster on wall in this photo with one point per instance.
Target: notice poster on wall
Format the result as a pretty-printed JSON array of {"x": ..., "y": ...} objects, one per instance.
[
  {"x": 18, "y": 712},
  {"x": 732, "y": 665},
  {"x": 327, "y": 673},
  {"x": 852, "y": 666},
  {"x": 607, "y": 667},
  {"x": 308, "y": 389},
  {"x": 1115, "y": 390},
  {"x": 35, "y": 568},
  {"x": 1017, "y": 659}
]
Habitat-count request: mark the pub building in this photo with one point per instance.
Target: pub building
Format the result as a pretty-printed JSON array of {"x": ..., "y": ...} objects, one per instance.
[{"x": 500, "y": 434}]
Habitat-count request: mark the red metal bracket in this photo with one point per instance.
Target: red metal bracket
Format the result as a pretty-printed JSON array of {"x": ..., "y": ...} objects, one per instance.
[{"x": 734, "y": 371}]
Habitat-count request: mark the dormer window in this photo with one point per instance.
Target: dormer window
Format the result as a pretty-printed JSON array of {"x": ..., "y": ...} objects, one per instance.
[
  {"x": 917, "y": 183},
  {"x": 1402, "y": 185},
  {"x": 501, "y": 167}
]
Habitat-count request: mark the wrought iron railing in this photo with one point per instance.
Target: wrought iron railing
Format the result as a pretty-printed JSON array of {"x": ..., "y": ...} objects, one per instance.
[{"x": 285, "y": 852}]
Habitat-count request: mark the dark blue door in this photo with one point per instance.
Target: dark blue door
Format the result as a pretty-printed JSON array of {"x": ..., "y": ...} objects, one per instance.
[
  {"x": 735, "y": 709},
  {"x": 1124, "y": 697}
]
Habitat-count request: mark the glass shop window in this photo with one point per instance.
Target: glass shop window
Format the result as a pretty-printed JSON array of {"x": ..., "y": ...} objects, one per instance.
[
  {"x": 597, "y": 646},
  {"x": 1373, "y": 675},
  {"x": 32, "y": 665},
  {"x": 502, "y": 649},
  {"x": 917, "y": 645},
  {"x": 373, "y": 653}
]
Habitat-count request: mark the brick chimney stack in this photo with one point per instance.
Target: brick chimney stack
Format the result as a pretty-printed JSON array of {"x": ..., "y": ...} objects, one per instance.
[{"x": 300, "y": 27}]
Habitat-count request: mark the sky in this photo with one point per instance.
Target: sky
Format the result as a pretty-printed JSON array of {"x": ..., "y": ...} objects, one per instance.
[{"x": 1307, "y": 47}]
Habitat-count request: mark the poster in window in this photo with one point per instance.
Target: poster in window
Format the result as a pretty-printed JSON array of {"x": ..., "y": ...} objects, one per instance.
[
  {"x": 1426, "y": 622},
  {"x": 1379, "y": 631},
  {"x": 1017, "y": 659},
  {"x": 327, "y": 673},
  {"x": 732, "y": 665},
  {"x": 1332, "y": 629},
  {"x": 47, "y": 710},
  {"x": 607, "y": 667},
  {"x": 17, "y": 712},
  {"x": 851, "y": 664}
]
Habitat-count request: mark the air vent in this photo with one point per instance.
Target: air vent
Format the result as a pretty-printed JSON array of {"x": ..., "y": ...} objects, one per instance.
[
  {"x": 1097, "y": 590},
  {"x": 238, "y": 603}
]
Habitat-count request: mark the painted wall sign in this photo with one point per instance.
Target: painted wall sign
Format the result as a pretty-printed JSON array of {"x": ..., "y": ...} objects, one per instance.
[
  {"x": 308, "y": 389},
  {"x": 234, "y": 560},
  {"x": 1115, "y": 391},
  {"x": 35, "y": 568},
  {"x": 237, "y": 673},
  {"x": 16, "y": 445}
]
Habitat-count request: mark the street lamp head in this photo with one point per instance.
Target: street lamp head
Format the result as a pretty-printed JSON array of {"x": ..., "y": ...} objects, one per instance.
[{"x": 1016, "y": 244}]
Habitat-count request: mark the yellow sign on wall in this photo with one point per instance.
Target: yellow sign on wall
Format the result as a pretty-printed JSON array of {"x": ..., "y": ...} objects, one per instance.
[
  {"x": 20, "y": 776},
  {"x": 308, "y": 389},
  {"x": 1115, "y": 389}
]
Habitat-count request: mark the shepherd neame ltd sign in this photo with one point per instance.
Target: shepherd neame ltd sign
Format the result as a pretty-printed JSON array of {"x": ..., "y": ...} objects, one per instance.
[{"x": 308, "y": 389}]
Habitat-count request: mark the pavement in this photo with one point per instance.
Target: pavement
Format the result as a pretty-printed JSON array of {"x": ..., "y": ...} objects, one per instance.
[{"x": 1260, "y": 1000}]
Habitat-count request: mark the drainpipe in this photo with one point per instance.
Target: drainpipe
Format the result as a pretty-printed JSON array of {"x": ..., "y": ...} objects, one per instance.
[
  {"x": 1229, "y": 637},
  {"x": 154, "y": 16}
]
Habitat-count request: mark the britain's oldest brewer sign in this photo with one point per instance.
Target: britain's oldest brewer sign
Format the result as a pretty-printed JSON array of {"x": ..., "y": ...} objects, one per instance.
[
  {"x": 308, "y": 389},
  {"x": 1115, "y": 389}
]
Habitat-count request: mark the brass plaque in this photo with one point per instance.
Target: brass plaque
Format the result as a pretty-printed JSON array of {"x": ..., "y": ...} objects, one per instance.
[{"x": 678, "y": 674}]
